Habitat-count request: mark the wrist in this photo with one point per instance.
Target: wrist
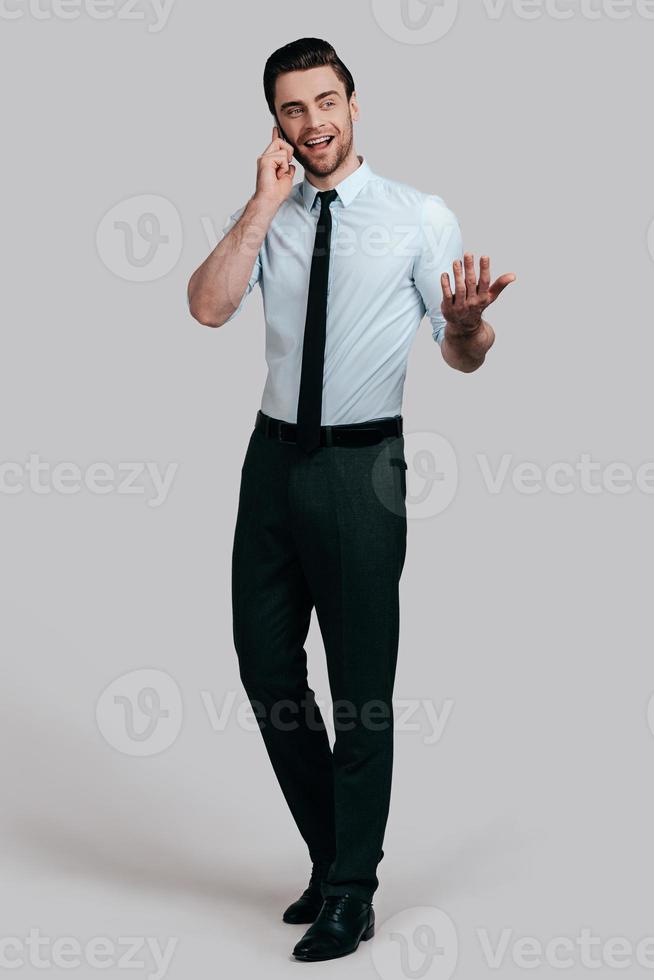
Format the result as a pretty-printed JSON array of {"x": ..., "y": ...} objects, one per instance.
[
  {"x": 459, "y": 331},
  {"x": 263, "y": 205},
  {"x": 471, "y": 342}
]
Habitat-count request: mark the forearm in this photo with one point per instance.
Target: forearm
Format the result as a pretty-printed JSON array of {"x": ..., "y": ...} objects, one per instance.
[
  {"x": 217, "y": 286},
  {"x": 466, "y": 350}
]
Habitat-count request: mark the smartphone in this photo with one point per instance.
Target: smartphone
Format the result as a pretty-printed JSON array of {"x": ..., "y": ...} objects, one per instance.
[{"x": 281, "y": 131}]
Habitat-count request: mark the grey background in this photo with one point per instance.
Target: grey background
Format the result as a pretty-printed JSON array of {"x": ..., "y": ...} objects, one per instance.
[{"x": 529, "y": 613}]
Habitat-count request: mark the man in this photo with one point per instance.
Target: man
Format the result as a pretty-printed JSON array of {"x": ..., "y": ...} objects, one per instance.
[{"x": 348, "y": 263}]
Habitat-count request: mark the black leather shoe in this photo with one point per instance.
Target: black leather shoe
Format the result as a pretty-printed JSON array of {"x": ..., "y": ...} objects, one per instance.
[
  {"x": 306, "y": 908},
  {"x": 343, "y": 921}
]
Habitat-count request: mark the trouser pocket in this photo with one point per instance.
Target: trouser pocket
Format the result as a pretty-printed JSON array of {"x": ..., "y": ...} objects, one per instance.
[{"x": 402, "y": 468}]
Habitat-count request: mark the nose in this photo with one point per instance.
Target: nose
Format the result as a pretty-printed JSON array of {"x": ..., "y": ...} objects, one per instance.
[{"x": 313, "y": 120}]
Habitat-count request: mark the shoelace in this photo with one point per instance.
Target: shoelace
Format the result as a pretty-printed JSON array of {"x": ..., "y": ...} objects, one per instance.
[{"x": 333, "y": 906}]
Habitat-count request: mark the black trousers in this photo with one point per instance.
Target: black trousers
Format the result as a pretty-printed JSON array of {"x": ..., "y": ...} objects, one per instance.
[{"x": 324, "y": 531}]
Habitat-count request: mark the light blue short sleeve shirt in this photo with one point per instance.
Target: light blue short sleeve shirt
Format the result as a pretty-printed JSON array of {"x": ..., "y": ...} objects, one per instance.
[{"x": 390, "y": 244}]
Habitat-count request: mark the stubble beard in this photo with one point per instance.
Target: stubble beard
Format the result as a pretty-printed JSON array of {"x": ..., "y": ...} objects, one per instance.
[{"x": 328, "y": 166}]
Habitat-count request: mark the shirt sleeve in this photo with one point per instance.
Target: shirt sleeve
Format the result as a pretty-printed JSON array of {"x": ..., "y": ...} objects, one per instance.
[
  {"x": 256, "y": 269},
  {"x": 441, "y": 244}
]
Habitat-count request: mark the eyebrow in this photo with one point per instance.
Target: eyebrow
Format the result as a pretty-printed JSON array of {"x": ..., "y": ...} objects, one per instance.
[{"x": 287, "y": 105}]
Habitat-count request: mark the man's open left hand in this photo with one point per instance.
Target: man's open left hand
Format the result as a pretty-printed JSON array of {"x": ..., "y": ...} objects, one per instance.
[{"x": 464, "y": 309}]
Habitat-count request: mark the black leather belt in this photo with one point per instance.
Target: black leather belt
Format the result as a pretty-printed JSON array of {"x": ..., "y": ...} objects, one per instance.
[{"x": 355, "y": 434}]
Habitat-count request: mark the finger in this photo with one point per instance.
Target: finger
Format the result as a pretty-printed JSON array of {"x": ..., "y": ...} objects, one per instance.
[
  {"x": 276, "y": 159},
  {"x": 470, "y": 276},
  {"x": 274, "y": 143},
  {"x": 279, "y": 145},
  {"x": 484, "y": 274},
  {"x": 283, "y": 167},
  {"x": 276, "y": 155},
  {"x": 270, "y": 148},
  {"x": 501, "y": 284},
  {"x": 446, "y": 288},
  {"x": 459, "y": 282},
  {"x": 275, "y": 147},
  {"x": 286, "y": 169},
  {"x": 279, "y": 160}
]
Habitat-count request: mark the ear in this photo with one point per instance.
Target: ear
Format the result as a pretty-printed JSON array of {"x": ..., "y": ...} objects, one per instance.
[{"x": 354, "y": 106}]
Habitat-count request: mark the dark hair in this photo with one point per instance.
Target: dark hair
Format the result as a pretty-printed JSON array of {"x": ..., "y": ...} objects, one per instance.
[{"x": 306, "y": 52}]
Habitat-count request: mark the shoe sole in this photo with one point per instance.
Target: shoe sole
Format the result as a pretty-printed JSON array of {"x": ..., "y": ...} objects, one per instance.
[{"x": 368, "y": 934}]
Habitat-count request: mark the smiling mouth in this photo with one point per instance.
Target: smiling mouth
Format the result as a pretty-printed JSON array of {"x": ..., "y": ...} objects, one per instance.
[{"x": 317, "y": 147}]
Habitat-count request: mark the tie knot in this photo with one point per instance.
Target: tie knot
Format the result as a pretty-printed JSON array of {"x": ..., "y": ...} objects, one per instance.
[{"x": 326, "y": 198}]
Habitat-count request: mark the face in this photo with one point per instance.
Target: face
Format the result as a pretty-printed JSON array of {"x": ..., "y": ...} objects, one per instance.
[{"x": 312, "y": 104}]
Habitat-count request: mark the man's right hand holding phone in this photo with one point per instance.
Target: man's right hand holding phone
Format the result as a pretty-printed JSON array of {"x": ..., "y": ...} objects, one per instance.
[
  {"x": 275, "y": 172},
  {"x": 217, "y": 286}
]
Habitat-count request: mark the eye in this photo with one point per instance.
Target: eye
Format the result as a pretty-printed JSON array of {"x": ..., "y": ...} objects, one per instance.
[
  {"x": 293, "y": 111},
  {"x": 329, "y": 102}
]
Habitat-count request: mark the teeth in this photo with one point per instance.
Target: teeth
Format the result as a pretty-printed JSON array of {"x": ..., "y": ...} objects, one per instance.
[{"x": 323, "y": 139}]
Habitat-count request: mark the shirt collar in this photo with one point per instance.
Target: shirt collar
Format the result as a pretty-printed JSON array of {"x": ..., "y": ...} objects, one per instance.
[{"x": 347, "y": 189}]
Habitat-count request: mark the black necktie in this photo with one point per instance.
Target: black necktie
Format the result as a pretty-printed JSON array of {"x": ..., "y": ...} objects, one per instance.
[{"x": 313, "y": 351}]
